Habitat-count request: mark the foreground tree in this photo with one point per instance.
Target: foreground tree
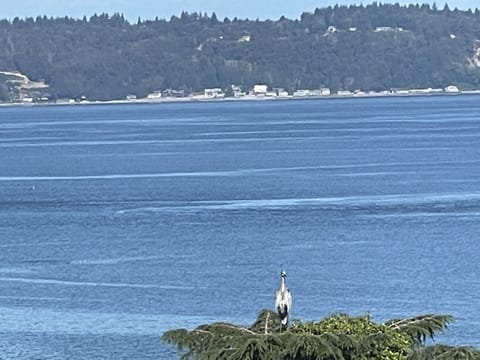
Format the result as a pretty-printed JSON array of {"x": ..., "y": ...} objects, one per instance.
[{"x": 338, "y": 337}]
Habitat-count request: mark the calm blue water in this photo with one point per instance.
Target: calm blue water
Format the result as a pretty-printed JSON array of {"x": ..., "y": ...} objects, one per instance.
[{"x": 120, "y": 222}]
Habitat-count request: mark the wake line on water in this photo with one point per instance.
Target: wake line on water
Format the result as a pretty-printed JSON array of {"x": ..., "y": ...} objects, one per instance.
[
  {"x": 46, "y": 243},
  {"x": 78, "y": 123},
  {"x": 421, "y": 136},
  {"x": 378, "y": 200},
  {"x": 33, "y": 298},
  {"x": 240, "y": 172},
  {"x": 91, "y": 284},
  {"x": 113, "y": 261},
  {"x": 202, "y": 121},
  {"x": 341, "y": 130},
  {"x": 118, "y": 176},
  {"x": 458, "y": 215}
]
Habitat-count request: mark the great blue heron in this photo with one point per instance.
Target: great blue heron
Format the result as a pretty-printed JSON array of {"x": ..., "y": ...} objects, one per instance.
[{"x": 283, "y": 299}]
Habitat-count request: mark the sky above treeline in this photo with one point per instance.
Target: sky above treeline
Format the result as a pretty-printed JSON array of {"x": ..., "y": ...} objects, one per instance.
[{"x": 149, "y": 9}]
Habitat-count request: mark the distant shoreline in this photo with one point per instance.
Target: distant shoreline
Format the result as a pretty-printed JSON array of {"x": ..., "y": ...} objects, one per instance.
[{"x": 246, "y": 98}]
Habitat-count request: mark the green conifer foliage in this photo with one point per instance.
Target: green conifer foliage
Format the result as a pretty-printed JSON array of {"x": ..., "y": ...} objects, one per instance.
[{"x": 337, "y": 337}]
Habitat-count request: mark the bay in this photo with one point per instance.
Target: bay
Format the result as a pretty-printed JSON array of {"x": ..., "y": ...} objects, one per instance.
[{"x": 119, "y": 222}]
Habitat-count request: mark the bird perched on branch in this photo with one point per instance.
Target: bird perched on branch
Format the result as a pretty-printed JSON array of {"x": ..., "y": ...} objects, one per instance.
[{"x": 283, "y": 300}]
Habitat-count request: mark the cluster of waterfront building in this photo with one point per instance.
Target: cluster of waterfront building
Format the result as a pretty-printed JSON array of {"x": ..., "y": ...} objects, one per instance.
[
  {"x": 264, "y": 91},
  {"x": 258, "y": 92},
  {"x": 28, "y": 91}
]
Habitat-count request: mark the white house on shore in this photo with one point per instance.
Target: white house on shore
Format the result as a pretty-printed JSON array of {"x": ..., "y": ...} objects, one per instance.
[
  {"x": 344, "y": 93},
  {"x": 280, "y": 92},
  {"x": 301, "y": 93},
  {"x": 451, "y": 89},
  {"x": 155, "y": 95},
  {"x": 214, "y": 93},
  {"x": 237, "y": 91},
  {"x": 320, "y": 92},
  {"x": 260, "y": 89}
]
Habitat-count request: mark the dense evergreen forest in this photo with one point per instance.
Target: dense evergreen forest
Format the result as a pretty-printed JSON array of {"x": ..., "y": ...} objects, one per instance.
[{"x": 374, "y": 47}]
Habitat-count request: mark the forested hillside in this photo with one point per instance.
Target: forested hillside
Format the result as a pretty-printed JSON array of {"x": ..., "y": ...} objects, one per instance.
[{"x": 373, "y": 47}]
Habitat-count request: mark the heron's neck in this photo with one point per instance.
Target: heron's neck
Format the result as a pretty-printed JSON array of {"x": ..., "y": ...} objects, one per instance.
[{"x": 283, "y": 285}]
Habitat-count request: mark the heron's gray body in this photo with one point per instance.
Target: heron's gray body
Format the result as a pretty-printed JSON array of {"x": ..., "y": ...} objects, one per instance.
[{"x": 283, "y": 300}]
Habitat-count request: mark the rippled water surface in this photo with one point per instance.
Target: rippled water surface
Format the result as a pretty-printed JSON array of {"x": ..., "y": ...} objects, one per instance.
[{"x": 120, "y": 222}]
